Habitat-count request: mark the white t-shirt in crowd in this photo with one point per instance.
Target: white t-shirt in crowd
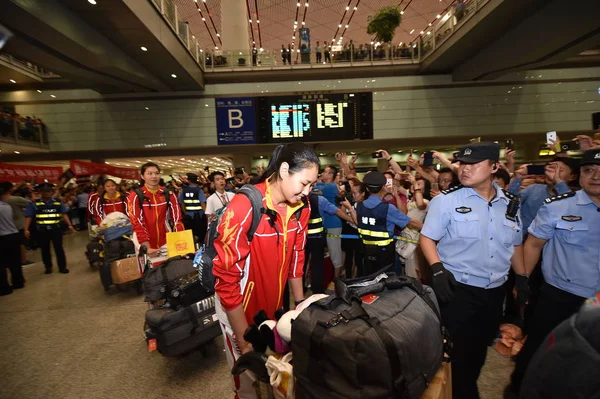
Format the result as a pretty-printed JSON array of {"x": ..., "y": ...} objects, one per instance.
[{"x": 216, "y": 202}]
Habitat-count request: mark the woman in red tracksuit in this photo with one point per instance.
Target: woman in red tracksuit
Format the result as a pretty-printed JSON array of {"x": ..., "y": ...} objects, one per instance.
[
  {"x": 251, "y": 276},
  {"x": 111, "y": 201},
  {"x": 148, "y": 215}
]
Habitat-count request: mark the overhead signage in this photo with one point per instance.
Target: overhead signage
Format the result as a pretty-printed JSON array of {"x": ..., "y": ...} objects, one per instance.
[{"x": 236, "y": 122}]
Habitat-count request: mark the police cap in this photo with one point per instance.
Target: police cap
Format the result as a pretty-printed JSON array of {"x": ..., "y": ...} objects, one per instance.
[
  {"x": 591, "y": 157},
  {"x": 44, "y": 186},
  {"x": 478, "y": 152},
  {"x": 374, "y": 179},
  {"x": 192, "y": 177}
]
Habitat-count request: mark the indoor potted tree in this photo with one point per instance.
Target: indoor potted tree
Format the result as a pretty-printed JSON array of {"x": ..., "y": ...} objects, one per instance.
[{"x": 383, "y": 25}]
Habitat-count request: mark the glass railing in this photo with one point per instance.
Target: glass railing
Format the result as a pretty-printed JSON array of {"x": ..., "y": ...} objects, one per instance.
[
  {"x": 28, "y": 66},
  {"x": 363, "y": 55},
  {"x": 168, "y": 10},
  {"x": 23, "y": 132},
  {"x": 351, "y": 55}
]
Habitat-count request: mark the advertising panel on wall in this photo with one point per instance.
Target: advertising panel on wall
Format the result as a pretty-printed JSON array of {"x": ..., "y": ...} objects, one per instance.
[{"x": 235, "y": 120}]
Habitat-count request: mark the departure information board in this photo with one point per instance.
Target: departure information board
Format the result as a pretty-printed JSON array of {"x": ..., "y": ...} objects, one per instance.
[{"x": 316, "y": 117}]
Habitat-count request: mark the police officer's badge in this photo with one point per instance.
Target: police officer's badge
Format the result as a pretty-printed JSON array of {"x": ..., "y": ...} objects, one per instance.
[
  {"x": 571, "y": 218},
  {"x": 463, "y": 209}
]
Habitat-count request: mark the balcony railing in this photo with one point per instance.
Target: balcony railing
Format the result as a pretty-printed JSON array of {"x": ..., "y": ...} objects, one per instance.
[
  {"x": 168, "y": 10},
  {"x": 350, "y": 55},
  {"x": 27, "y": 66},
  {"x": 23, "y": 133}
]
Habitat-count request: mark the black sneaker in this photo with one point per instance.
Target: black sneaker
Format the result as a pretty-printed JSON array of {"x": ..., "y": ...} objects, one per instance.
[
  {"x": 64, "y": 271},
  {"x": 48, "y": 271}
]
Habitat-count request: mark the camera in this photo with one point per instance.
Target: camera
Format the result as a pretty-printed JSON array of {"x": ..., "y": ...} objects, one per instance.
[
  {"x": 377, "y": 155},
  {"x": 341, "y": 197}
]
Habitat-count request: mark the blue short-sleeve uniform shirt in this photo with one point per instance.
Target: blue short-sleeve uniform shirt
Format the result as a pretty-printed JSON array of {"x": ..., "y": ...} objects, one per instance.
[
  {"x": 475, "y": 237},
  {"x": 571, "y": 257}
]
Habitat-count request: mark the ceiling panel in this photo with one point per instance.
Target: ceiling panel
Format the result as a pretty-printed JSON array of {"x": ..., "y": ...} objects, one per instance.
[{"x": 323, "y": 16}]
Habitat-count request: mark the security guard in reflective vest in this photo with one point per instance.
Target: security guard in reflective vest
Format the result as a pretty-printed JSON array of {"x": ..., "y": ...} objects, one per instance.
[
  {"x": 567, "y": 231},
  {"x": 471, "y": 234},
  {"x": 48, "y": 213},
  {"x": 316, "y": 242},
  {"x": 376, "y": 220},
  {"x": 193, "y": 201}
]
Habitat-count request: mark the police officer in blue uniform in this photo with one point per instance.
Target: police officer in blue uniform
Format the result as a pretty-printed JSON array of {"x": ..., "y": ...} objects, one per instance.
[
  {"x": 567, "y": 231},
  {"x": 376, "y": 221},
  {"x": 48, "y": 213},
  {"x": 471, "y": 235},
  {"x": 193, "y": 202}
]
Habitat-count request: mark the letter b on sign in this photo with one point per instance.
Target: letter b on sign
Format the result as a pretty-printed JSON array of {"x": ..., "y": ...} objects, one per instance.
[{"x": 235, "y": 118}]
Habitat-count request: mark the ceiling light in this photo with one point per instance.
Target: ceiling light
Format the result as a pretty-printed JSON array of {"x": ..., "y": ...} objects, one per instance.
[
  {"x": 422, "y": 32},
  {"x": 218, "y": 35},
  {"x": 52, "y": 95},
  {"x": 13, "y": 81},
  {"x": 347, "y": 8},
  {"x": 306, "y": 4},
  {"x": 347, "y": 26},
  {"x": 411, "y": 32},
  {"x": 92, "y": 2},
  {"x": 144, "y": 48},
  {"x": 402, "y": 12},
  {"x": 438, "y": 16},
  {"x": 258, "y": 21},
  {"x": 340, "y": 25},
  {"x": 261, "y": 157},
  {"x": 321, "y": 154},
  {"x": 39, "y": 91},
  {"x": 204, "y": 19},
  {"x": 430, "y": 24},
  {"x": 173, "y": 75},
  {"x": 182, "y": 159},
  {"x": 147, "y": 108},
  {"x": 297, "y": 4},
  {"x": 429, "y": 33},
  {"x": 17, "y": 152},
  {"x": 355, "y": 8},
  {"x": 250, "y": 20}
]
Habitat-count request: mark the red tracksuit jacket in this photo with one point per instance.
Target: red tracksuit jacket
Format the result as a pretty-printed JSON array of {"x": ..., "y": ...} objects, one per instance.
[
  {"x": 105, "y": 207},
  {"x": 254, "y": 274},
  {"x": 150, "y": 223}
]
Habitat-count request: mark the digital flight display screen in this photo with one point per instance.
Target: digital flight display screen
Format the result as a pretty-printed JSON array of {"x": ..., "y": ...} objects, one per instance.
[{"x": 317, "y": 117}]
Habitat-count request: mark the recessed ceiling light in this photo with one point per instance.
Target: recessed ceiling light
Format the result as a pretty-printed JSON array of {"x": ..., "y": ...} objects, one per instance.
[
  {"x": 144, "y": 48},
  {"x": 52, "y": 95},
  {"x": 92, "y": 2},
  {"x": 147, "y": 108},
  {"x": 173, "y": 75},
  {"x": 39, "y": 91},
  {"x": 17, "y": 152}
]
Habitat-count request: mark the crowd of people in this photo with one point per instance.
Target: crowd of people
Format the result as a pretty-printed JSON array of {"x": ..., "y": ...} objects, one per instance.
[
  {"x": 491, "y": 237},
  {"x": 29, "y": 128}
]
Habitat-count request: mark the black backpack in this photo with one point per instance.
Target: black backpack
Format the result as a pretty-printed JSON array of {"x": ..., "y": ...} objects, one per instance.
[
  {"x": 204, "y": 258},
  {"x": 567, "y": 365}
]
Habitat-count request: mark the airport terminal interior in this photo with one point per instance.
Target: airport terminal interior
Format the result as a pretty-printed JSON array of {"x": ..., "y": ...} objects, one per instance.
[{"x": 129, "y": 127}]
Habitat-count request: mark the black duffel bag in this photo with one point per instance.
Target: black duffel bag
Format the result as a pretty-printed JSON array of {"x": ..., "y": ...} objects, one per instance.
[
  {"x": 159, "y": 280},
  {"x": 567, "y": 365},
  {"x": 390, "y": 344},
  {"x": 178, "y": 332}
]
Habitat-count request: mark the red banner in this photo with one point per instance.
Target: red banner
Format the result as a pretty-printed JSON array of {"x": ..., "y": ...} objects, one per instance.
[
  {"x": 90, "y": 168},
  {"x": 19, "y": 173}
]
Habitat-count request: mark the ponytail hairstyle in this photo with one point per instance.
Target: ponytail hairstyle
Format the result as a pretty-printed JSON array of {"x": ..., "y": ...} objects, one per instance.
[{"x": 297, "y": 155}]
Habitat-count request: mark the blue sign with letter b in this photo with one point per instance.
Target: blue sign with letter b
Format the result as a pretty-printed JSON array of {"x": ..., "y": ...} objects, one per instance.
[{"x": 235, "y": 120}]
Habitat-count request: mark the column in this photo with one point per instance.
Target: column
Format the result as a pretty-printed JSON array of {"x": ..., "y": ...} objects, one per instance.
[{"x": 235, "y": 31}]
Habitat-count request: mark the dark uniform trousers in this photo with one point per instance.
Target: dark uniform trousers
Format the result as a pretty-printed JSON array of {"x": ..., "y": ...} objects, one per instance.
[
  {"x": 196, "y": 222},
  {"x": 10, "y": 259},
  {"x": 554, "y": 306},
  {"x": 472, "y": 319},
  {"x": 53, "y": 235},
  {"x": 315, "y": 250}
]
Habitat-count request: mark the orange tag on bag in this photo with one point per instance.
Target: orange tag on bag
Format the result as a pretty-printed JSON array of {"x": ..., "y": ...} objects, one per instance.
[
  {"x": 152, "y": 345},
  {"x": 369, "y": 298}
]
